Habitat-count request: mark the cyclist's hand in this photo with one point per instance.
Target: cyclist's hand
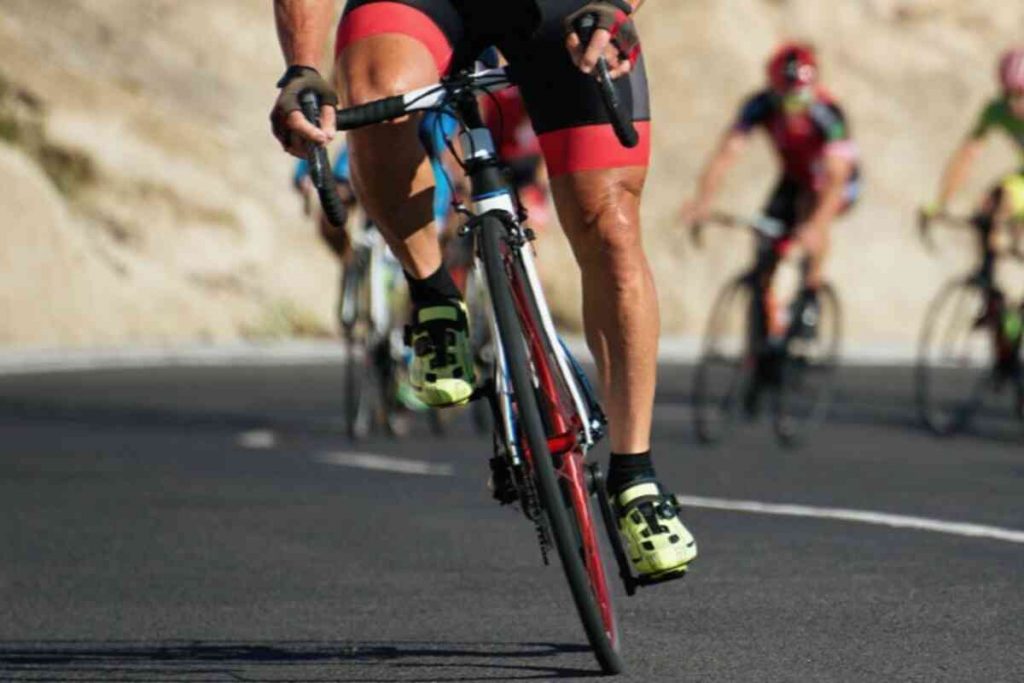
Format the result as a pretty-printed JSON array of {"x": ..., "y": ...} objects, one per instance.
[
  {"x": 931, "y": 210},
  {"x": 290, "y": 127},
  {"x": 614, "y": 37}
]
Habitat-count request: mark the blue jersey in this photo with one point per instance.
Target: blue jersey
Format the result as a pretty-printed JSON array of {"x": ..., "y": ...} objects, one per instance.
[
  {"x": 341, "y": 173},
  {"x": 435, "y": 130}
]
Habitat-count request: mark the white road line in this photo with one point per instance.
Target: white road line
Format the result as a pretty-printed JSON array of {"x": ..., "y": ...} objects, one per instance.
[
  {"x": 385, "y": 463},
  {"x": 862, "y": 516},
  {"x": 258, "y": 439}
]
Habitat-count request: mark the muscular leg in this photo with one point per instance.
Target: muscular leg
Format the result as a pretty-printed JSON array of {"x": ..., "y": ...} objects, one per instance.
[
  {"x": 390, "y": 170},
  {"x": 817, "y": 252},
  {"x": 600, "y": 212}
]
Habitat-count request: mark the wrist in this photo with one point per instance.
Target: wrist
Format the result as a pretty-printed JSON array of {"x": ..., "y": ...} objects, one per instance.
[{"x": 295, "y": 71}]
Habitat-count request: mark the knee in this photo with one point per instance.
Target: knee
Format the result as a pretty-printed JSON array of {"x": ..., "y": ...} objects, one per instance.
[
  {"x": 607, "y": 236},
  {"x": 383, "y": 66},
  {"x": 361, "y": 87}
]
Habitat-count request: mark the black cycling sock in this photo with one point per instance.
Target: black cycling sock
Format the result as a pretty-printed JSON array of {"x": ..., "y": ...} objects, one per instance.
[
  {"x": 625, "y": 469},
  {"x": 438, "y": 288}
]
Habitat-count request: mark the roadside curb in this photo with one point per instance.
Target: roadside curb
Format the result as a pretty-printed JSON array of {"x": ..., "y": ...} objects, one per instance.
[
  {"x": 332, "y": 352},
  {"x": 43, "y": 361}
]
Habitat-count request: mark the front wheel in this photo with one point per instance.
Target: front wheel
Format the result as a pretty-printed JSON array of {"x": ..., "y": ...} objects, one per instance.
[
  {"x": 566, "y": 502},
  {"x": 955, "y": 357},
  {"x": 724, "y": 382},
  {"x": 808, "y": 370}
]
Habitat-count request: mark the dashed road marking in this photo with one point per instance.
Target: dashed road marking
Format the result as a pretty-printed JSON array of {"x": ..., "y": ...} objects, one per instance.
[
  {"x": 861, "y": 516},
  {"x": 385, "y": 463},
  {"x": 257, "y": 439}
]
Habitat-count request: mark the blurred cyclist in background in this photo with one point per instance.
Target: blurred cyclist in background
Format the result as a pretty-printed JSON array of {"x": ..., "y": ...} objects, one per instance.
[
  {"x": 1005, "y": 202},
  {"x": 820, "y": 173},
  {"x": 505, "y": 115}
]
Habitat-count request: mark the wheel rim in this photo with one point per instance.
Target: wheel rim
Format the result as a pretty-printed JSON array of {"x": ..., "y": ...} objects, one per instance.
[
  {"x": 955, "y": 358},
  {"x": 723, "y": 372},
  {"x": 808, "y": 373},
  {"x": 574, "y": 478}
]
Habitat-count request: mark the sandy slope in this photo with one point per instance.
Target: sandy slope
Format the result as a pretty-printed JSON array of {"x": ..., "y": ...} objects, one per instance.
[{"x": 164, "y": 213}]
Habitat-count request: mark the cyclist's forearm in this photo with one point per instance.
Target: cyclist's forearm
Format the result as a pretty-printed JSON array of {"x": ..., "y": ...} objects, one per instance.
[
  {"x": 959, "y": 167},
  {"x": 714, "y": 173},
  {"x": 302, "y": 29}
]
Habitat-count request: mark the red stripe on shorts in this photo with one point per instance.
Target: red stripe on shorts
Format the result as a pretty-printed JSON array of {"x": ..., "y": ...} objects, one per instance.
[
  {"x": 588, "y": 148},
  {"x": 377, "y": 18}
]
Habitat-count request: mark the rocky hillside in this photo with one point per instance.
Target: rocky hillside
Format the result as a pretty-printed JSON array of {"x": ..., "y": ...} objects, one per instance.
[{"x": 144, "y": 202}]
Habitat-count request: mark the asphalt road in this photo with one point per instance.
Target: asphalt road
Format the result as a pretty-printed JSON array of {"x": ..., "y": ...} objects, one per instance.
[{"x": 195, "y": 524}]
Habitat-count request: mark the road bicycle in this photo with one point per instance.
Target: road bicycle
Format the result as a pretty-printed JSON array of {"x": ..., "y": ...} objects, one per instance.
[
  {"x": 755, "y": 346},
  {"x": 970, "y": 342},
  {"x": 371, "y": 315},
  {"x": 546, "y": 417}
]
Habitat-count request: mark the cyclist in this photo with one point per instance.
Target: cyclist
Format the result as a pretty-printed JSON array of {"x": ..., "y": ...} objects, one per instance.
[
  {"x": 387, "y": 47},
  {"x": 1006, "y": 200},
  {"x": 820, "y": 175}
]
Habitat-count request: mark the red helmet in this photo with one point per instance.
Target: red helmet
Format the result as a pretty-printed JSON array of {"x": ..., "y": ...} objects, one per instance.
[
  {"x": 1011, "y": 70},
  {"x": 792, "y": 65}
]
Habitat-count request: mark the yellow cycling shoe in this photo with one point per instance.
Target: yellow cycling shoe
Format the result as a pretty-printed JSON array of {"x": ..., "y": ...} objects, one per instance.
[
  {"x": 657, "y": 542},
  {"x": 442, "y": 371}
]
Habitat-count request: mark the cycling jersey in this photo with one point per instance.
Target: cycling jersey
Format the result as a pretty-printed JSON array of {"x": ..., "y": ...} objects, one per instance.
[
  {"x": 564, "y": 104},
  {"x": 802, "y": 141},
  {"x": 997, "y": 114}
]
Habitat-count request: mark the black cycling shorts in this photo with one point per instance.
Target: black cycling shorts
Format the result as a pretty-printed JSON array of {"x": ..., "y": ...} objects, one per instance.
[
  {"x": 563, "y": 103},
  {"x": 792, "y": 202}
]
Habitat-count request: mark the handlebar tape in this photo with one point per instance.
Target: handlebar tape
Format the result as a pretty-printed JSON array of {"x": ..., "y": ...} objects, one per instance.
[
  {"x": 320, "y": 171},
  {"x": 371, "y": 113}
]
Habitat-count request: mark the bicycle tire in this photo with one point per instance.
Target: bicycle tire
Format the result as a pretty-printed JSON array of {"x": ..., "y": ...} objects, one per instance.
[
  {"x": 799, "y": 412},
  {"x": 358, "y": 413},
  {"x": 957, "y": 416},
  {"x": 564, "y": 531},
  {"x": 713, "y": 417}
]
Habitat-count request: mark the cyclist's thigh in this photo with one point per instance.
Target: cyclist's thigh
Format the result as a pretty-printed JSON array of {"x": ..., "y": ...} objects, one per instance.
[
  {"x": 387, "y": 47},
  {"x": 564, "y": 104},
  {"x": 596, "y": 182}
]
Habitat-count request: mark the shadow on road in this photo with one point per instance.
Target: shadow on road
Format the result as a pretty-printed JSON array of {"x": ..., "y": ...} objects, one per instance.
[{"x": 299, "y": 661}]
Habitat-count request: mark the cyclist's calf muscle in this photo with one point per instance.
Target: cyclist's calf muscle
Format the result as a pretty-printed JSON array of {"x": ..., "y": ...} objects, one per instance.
[
  {"x": 600, "y": 213},
  {"x": 389, "y": 166}
]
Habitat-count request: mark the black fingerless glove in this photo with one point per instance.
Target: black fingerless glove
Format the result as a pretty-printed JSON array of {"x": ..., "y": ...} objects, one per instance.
[
  {"x": 612, "y": 16},
  {"x": 296, "y": 80}
]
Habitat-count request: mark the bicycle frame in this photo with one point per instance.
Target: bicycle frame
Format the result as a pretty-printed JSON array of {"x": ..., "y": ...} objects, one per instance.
[{"x": 491, "y": 193}]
